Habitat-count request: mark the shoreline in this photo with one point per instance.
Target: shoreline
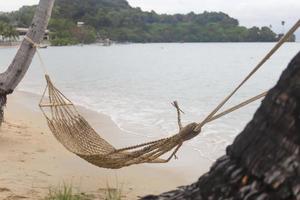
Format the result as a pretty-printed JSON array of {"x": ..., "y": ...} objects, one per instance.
[
  {"x": 27, "y": 146},
  {"x": 130, "y": 43}
]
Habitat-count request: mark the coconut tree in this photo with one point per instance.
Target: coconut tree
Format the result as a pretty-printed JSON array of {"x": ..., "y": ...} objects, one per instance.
[
  {"x": 8, "y": 32},
  {"x": 20, "y": 64},
  {"x": 1, "y": 30},
  {"x": 282, "y": 24}
]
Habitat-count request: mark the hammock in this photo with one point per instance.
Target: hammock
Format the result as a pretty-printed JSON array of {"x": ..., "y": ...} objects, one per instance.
[{"x": 76, "y": 135}]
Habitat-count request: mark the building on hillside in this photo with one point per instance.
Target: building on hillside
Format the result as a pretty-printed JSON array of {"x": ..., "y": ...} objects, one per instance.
[
  {"x": 15, "y": 41},
  {"x": 22, "y": 32},
  {"x": 80, "y": 24}
]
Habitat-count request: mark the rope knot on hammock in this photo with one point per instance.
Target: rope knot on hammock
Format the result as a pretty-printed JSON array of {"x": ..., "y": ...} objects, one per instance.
[{"x": 189, "y": 132}]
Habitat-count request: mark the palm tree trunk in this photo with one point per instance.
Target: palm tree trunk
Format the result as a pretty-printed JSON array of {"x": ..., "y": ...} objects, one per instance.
[
  {"x": 263, "y": 163},
  {"x": 20, "y": 64}
]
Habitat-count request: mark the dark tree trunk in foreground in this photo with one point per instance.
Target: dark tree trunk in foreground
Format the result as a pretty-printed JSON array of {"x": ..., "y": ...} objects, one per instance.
[
  {"x": 20, "y": 64},
  {"x": 263, "y": 162}
]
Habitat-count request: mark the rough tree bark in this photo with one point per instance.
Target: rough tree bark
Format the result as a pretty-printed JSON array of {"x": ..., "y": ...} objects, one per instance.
[
  {"x": 263, "y": 163},
  {"x": 20, "y": 64}
]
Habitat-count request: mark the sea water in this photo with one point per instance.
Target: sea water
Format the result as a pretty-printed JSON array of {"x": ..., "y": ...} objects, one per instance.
[{"x": 135, "y": 84}]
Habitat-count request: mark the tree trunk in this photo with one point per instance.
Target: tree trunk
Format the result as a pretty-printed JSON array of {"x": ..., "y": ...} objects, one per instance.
[
  {"x": 263, "y": 163},
  {"x": 20, "y": 64}
]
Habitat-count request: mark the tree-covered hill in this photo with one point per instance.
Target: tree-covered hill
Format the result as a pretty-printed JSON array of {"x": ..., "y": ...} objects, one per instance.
[{"x": 118, "y": 21}]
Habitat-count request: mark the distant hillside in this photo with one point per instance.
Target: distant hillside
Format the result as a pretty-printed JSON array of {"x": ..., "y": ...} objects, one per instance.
[{"x": 117, "y": 20}]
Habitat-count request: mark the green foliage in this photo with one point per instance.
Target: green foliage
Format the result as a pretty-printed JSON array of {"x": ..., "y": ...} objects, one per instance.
[
  {"x": 266, "y": 34},
  {"x": 65, "y": 32},
  {"x": 84, "y": 35},
  {"x": 120, "y": 22},
  {"x": 22, "y": 17},
  {"x": 63, "y": 41},
  {"x": 4, "y": 18},
  {"x": 65, "y": 192},
  {"x": 61, "y": 34},
  {"x": 7, "y": 32},
  {"x": 113, "y": 193}
]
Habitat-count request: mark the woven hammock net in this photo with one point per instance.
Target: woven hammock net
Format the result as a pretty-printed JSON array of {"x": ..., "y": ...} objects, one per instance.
[{"x": 77, "y": 136}]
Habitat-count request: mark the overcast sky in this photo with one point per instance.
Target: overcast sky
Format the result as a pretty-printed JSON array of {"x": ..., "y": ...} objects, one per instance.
[{"x": 249, "y": 13}]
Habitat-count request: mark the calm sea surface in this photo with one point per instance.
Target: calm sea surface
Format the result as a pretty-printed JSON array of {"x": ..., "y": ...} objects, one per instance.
[{"x": 135, "y": 83}]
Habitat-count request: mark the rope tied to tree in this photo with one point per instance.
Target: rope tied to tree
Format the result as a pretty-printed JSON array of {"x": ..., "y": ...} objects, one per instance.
[
  {"x": 36, "y": 46},
  {"x": 74, "y": 132}
]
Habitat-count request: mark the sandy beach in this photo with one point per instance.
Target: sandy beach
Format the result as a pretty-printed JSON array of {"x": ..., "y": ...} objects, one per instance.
[{"x": 32, "y": 161}]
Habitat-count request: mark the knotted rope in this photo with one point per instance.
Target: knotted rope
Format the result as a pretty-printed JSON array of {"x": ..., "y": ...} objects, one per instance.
[{"x": 36, "y": 47}]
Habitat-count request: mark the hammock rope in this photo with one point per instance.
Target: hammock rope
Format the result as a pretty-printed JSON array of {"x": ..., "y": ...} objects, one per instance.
[
  {"x": 77, "y": 136},
  {"x": 285, "y": 38}
]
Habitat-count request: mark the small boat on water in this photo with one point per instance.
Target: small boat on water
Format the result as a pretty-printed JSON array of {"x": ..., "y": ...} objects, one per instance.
[
  {"x": 43, "y": 46},
  {"x": 107, "y": 42}
]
